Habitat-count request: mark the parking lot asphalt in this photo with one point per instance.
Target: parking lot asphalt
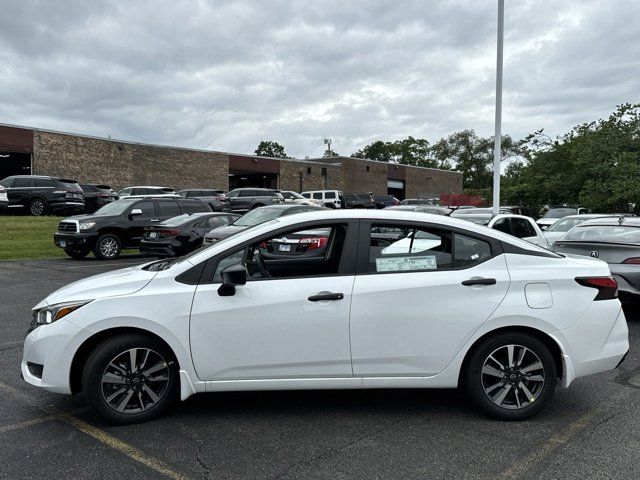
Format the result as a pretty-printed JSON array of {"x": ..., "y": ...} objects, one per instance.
[{"x": 591, "y": 430}]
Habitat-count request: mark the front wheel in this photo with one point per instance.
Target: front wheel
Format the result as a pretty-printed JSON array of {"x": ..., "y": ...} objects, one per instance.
[
  {"x": 511, "y": 376},
  {"x": 131, "y": 378},
  {"x": 107, "y": 247}
]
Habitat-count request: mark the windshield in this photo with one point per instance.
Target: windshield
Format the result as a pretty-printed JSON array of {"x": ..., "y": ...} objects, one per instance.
[
  {"x": 295, "y": 195},
  {"x": 560, "y": 212},
  {"x": 258, "y": 216},
  {"x": 114, "y": 208},
  {"x": 565, "y": 224},
  {"x": 604, "y": 233}
]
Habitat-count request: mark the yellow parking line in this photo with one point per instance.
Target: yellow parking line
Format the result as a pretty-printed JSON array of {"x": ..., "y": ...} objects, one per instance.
[
  {"x": 28, "y": 423},
  {"x": 554, "y": 441},
  {"x": 103, "y": 437}
]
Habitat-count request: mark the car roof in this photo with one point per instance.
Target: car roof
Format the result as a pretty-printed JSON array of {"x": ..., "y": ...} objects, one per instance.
[
  {"x": 611, "y": 220},
  {"x": 291, "y": 205},
  {"x": 382, "y": 215}
]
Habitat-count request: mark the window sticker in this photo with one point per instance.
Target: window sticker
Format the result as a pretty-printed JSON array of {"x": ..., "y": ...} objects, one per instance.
[{"x": 406, "y": 264}]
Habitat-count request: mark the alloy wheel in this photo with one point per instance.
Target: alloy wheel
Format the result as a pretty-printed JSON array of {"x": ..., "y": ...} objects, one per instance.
[
  {"x": 513, "y": 376},
  {"x": 37, "y": 208},
  {"x": 108, "y": 247},
  {"x": 135, "y": 380}
]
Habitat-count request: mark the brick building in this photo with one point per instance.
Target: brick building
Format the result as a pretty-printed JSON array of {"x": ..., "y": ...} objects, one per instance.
[{"x": 121, "y": 163}]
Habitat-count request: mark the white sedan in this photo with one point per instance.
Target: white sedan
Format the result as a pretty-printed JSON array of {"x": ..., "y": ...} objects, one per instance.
[{"x": 471, "y": 307}]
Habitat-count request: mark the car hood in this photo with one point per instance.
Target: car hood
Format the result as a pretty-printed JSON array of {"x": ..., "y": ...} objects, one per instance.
[
  {"x": 89, "y": 218},
  {"x": 224, "y": 232},
  {"x": 118, "y": 282}
]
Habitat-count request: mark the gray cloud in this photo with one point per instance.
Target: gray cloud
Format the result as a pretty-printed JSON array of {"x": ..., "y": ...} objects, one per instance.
[{"x": 224, "y": 75}]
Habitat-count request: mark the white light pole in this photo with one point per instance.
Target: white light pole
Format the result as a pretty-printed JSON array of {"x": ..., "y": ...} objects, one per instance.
[{"x": 498, "y": 134}]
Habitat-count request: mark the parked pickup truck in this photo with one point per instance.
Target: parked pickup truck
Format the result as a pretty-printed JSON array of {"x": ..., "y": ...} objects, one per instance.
[{"x": 119, "y": 225}]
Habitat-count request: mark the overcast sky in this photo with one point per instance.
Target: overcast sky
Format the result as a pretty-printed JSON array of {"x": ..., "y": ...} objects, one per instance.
[{"x": 224, "y": 75}]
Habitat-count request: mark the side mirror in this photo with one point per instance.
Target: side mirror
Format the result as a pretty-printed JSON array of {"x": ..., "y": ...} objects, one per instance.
[
  {"x": 135, "y": 212},
  {"x": 232, "y": 276}
]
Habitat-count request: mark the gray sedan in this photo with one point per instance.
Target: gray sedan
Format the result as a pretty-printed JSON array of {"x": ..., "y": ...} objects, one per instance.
[{"x": 616, "y": 240}]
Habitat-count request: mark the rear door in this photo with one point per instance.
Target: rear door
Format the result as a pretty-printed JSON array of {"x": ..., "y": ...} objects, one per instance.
[{"x": 420, "y": 293}]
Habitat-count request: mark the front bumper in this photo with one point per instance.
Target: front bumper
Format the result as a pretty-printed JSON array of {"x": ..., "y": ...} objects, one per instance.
[
  {"x": 52, "y": 346},
  {"x": 64, "y": 240}
]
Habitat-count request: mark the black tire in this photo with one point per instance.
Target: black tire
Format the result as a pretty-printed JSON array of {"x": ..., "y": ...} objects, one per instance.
[
  {"x": 107, "y": 247},
  {"x": 77, "y": 253},
  {"x": 38, "y": 207},
  {"x": 108, "y": 353},
  {"x": 330, "y": 205},
  {"x": 520, "y": 386}
]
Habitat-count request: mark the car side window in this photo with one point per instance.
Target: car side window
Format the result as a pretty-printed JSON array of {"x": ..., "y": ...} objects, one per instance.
[
  {"x": 217, "y": 221},
  {"x": 169, "y": 209},
  {"x": 311, "y": 252},
  {"x": 147, "y": 208},
  {"x": 317, "y": 196},
  {"x": 232, "y": 194},
  {"x": 470, "y": 251},
  {"x": 6, "y": 183},
  {"x": 330, "y": 195},
  {"x": 21, "y": 182},
  {"x": 126, "y": 191},
  {"x": 502, "y": 225},
  {"x": 522, "y": 228},
  {"x": 43, "y": 182},
  {"x": 405, "y": 248},
  {"x": 306, "y": 195},
  {"x": 194, "y": 206}
]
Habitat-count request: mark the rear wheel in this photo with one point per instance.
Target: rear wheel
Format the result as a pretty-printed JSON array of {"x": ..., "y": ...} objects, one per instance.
[
  {"x": 107, "y": 247},
  {"x": 76, "y": 252},
  {"x": 511, "y": 376},
  {"x": 131, "y": 378},
  {"x": 37, "y": 207}
]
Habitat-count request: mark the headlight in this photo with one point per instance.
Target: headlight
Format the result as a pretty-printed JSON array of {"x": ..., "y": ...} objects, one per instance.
[
  {"x": 87, "y": 225},
  {"x": 50, "y": 314}
]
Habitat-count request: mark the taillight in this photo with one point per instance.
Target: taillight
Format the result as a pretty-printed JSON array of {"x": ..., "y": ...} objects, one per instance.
[
  {"x": 632, "y": 261},
  {"x": 314, "y": 242},
  {"x": 169, "y": 232},
  {"x": 607, "y": 286}
]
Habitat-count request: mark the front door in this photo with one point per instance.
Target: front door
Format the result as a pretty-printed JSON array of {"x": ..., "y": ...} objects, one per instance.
[
  {"x": 421, "y": 294},
  {"x": 134, "y": 224},
  {"x": 290, "y": 320}
]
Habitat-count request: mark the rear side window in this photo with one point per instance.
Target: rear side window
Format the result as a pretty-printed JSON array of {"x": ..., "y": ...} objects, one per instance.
[
  {"x": 330, "y": 195},
  {"x": 21, "y": 182},
  {"x": 169, "y": 209},
  {"x": 247, "y": 193},
  {"x": 6, "y": 183},
  {"x": 217, "y": 221},
  {"x": 317, "y": 195},
  {"x": 502, "y": 225},
  {"x": 522, "y": 228},
  {"x": 43, "y": 182},
  {"x": 405, "y": 248}
]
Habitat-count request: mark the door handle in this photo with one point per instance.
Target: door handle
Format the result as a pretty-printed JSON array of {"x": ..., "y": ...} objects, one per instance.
[
  {"x": 479, "y": 281},
  {"x": 326, "y": 296}
]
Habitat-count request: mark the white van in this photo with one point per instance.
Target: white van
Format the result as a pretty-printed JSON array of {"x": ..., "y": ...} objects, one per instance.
[{"x": 329, "y": 198}]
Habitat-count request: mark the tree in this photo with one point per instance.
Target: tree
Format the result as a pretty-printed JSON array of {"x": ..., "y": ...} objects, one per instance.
[
  {"x": 410, "y": 151},
  {"x": 330, "y": 153},
  {"x": 268, "y": 148},
  {"x": 596, "y": 164},
  {"x": 472, "y": 155}
]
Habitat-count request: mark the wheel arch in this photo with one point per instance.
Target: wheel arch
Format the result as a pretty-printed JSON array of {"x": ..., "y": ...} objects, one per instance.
[
  {"x": 545, "y": 338},
  {"x": 83, "y": 352}
]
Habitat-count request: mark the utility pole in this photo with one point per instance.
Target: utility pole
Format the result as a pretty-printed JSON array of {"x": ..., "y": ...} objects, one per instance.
[{"x": 498, "y": 122}]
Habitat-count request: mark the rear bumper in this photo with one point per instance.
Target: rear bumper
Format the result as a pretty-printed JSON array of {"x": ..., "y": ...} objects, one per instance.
[
  {"x": 157, "y": 249},
  {"x": 626, "y": 276},
  {"x": 594, "y": 345}
]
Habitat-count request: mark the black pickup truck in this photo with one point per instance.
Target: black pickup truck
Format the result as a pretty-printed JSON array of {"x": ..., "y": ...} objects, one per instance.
[{"x": 119, "y": 225}]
